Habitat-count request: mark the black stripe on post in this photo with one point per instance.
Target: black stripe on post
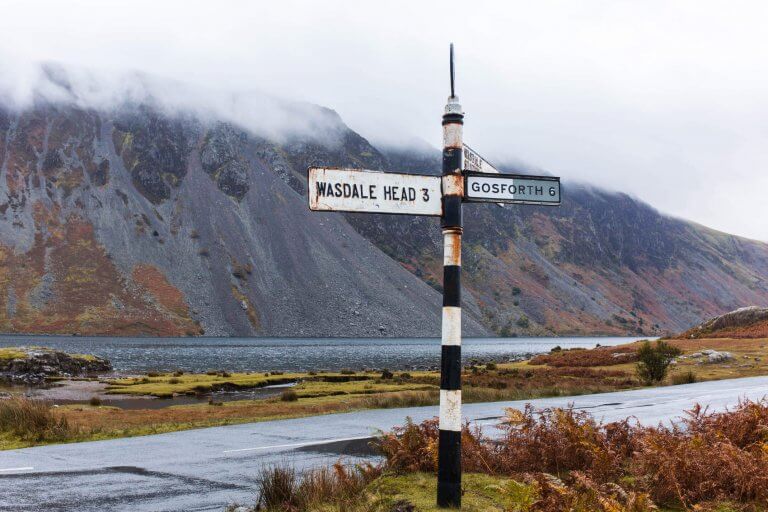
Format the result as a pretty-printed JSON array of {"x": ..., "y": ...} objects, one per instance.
[
  {"x": 453, "y": 119},
  {"x": 451, "y": 211},
  {"x": 452, "y": 159},
  {"x": 450, "y": 368},
  {"x": 452, "y": 286},
  {"x": 449, "y": 471}
]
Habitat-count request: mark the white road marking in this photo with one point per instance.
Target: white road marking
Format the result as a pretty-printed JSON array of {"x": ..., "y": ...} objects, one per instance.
[
  {"x": 297, "y": 445},
  {"x": 28, "y": 468}
]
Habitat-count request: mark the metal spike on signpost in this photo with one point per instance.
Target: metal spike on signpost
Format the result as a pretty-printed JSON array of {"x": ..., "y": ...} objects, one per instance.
[
  {"x": 449, "y": 442},
  {"x": 453, "y": 75},
  {"x": 466, "y": 177}
]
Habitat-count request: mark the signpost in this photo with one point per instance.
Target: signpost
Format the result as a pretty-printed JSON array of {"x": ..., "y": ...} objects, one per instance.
[{"x": 466, "y": 177}]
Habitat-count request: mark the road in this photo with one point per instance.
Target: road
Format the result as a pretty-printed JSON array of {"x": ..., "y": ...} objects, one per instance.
[{"x": 206, "y": 469}]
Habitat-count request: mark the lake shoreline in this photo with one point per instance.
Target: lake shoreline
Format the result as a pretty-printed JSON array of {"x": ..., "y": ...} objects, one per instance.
[{"x": 200, "y": 354}]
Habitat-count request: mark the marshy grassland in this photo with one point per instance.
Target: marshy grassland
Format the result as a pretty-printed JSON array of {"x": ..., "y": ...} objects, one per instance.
[{"x": 559, "y": 373}]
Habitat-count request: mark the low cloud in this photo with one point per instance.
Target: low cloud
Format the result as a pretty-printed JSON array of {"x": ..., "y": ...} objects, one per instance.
[
  {"x": 277, "y": 119},
  {"x": 664, "y": 100}
]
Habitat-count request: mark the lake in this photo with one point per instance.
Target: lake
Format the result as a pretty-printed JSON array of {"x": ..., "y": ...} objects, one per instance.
[{"x": 293, "y": 354}]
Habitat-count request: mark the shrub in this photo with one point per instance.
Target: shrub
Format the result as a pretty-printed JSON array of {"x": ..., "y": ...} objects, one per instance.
[
  {"x": 602, "y": 356},
  {"x": 490, "y": 366},
  {"x": 178, "y": 373},
  {"x": 277, "y": 488},
  {"x": 281, "y": 488},
  {"x": 174, "y": 380},
  {"x": 347, "y": 371},
  {"x": 707, "y": 457},
  {"x": 412, "y": 447},
  {"x": 401, "y": 399},
  {"x": 654, "y": 360},
  {"x": 154, "y": 374},
  {"x": 684, "y": 378},
  {"x": 94, "y": 401},
  {"x": 289, "y": 395},
  {"x": 32, "y": 420},
  {"x": 523, "y": 322},
  {"x": 386, "y": 374}
]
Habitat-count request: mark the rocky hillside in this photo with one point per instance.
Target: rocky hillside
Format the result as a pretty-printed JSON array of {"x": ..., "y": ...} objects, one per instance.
[
  {"x": 748, "y": 322},
  {"x": 136, "y": 221},
  {"x": 600, "y": 263}
]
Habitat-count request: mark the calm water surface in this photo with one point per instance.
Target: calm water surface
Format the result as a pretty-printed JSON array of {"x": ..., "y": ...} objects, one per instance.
[{"x": 287, "y": 354}]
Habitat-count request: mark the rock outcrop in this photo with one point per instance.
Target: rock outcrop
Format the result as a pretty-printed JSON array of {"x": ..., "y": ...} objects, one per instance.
[
  {"x": 748, "y": 322},
  {"x": 33, "y": 365}
]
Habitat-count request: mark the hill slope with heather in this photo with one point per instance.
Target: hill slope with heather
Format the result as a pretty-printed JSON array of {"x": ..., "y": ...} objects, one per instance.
[
  {"x": 137, "y": 221},
  {"x": 748, "y": 322}
]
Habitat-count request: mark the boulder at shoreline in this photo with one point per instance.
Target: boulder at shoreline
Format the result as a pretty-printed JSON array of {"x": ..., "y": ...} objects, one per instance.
[{"x": 33, "y": 365}]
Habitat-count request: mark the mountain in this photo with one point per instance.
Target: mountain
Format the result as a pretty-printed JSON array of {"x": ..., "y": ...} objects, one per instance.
[
  {"x": 138, "y": 220},
  {"x": 602, "y": 263},
  {"x": 747, "y": 322}
]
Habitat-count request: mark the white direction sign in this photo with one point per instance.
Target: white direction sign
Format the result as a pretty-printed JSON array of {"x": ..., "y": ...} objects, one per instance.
[
  {"x": 511, "y": 188},
  {"x": 359, "y": 190},
  {"x": 473, "y": 162}
]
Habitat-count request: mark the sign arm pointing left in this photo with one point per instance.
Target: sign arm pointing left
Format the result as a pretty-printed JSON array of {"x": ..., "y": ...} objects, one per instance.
[{"x": 361, "y": 190}]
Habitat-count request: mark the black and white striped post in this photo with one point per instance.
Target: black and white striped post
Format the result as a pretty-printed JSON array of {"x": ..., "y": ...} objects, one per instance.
[
  {"x": 361, "y": 190},
  {"x": 449, "y": 450}
]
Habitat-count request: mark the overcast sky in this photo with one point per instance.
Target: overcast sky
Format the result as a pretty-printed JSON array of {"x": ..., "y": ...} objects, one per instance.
[{"x": 665, "y": 100}]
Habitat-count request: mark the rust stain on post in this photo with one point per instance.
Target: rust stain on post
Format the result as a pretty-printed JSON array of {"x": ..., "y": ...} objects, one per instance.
[
  {"x": 453, "y": 185},
  {"x": 452, "y": 246}
]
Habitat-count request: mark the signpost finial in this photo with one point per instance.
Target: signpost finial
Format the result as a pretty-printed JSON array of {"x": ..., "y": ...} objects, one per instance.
[{"x": 453, "y": 75}]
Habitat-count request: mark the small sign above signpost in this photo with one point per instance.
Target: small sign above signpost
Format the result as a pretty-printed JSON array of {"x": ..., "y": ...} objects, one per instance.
[
  {"x": 360, "y": 190},
  {"x": 473, "y": 162},
  {"x": 511, "y": 188}
]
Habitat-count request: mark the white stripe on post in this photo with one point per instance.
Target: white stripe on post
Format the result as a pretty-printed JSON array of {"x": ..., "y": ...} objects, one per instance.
[
  {"x": 452, "y": 135},
  {"x": 451, "y": 249},
  {"x": 450, "y": 410},
  {"x": 451, "y": 326}
]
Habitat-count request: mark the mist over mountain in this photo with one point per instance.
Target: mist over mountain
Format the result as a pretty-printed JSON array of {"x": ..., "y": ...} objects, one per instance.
[{"x": 148, "y": 208}]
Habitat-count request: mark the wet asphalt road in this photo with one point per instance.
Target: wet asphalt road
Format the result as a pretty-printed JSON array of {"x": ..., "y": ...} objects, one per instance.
[{"x": 206, "y": 469}]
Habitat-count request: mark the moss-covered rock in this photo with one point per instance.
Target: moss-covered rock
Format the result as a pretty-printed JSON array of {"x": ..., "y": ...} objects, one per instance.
[{"x": 33, "y": 365}]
